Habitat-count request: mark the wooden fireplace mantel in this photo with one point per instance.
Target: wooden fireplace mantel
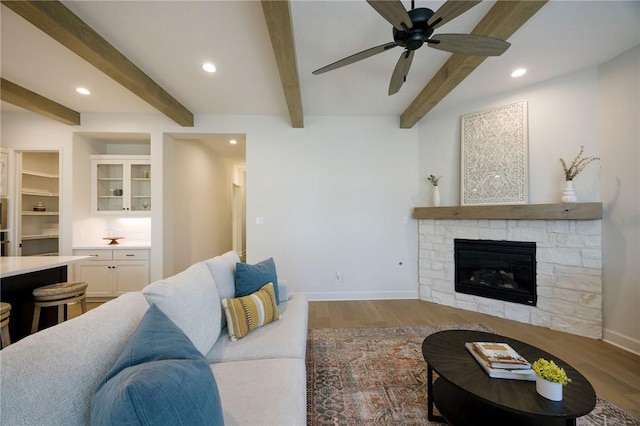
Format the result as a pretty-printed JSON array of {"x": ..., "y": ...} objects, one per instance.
[{"x": 568, "y": 211}]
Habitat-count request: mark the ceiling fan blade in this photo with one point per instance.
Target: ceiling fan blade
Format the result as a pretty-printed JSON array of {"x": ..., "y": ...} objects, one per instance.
[
  {"x": 469, "y": 44},
  {"x": 450, "y": 10},
  {"x": 400, "y": 72},
  {"x": 356, "y": 57},
  {"x": 394, "y": 12}
]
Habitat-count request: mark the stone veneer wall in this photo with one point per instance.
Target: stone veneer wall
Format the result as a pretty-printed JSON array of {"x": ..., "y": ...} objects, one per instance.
[{"x": 569, "y": 280}]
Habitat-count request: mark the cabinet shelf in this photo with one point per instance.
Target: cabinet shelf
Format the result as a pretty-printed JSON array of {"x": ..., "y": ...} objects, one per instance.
[
  {"x": 39, "y": 192},
  {"x": 33, "y": 213},
  {"x": 40, "y": 174},
  {"x": 39, "y": 237},
  {"x": 110, "y": 179}
]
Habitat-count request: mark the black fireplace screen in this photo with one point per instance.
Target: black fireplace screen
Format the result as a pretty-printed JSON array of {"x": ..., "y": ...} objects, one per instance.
[{"x": 502, "y": 270}]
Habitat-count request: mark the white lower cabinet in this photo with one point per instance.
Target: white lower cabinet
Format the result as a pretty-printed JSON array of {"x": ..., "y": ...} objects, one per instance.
[{"x": 112, "y": 272}]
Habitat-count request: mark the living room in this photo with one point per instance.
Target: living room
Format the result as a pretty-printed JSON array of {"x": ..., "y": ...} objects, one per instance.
[{"x": 336, "y": 197}]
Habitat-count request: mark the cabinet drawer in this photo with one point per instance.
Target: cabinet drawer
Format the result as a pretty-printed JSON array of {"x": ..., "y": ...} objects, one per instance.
[
  {"x": 130, "y": 254},
  {"x": 97, "y": 254}
]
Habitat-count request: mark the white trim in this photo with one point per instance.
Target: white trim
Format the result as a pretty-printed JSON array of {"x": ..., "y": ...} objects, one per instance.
[
  {"x": 621, "y": 341},
  {"x": 362, "y": 295}
]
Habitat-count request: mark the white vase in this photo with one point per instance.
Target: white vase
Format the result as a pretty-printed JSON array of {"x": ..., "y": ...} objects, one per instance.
[
  {"x": 549, "y": 390},
  {"x": 569, "y": 195},
  {"x": 436, "y": 197}
]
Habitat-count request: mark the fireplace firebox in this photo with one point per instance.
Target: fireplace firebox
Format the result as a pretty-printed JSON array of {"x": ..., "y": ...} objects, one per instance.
[{"x": 502, "y": 270}]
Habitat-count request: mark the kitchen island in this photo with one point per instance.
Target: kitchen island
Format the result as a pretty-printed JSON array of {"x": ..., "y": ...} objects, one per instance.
[{"x": 19, "y": 276}]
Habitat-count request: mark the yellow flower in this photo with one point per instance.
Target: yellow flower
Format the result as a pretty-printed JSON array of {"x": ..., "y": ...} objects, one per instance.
[{"x": 550, "y": 371}]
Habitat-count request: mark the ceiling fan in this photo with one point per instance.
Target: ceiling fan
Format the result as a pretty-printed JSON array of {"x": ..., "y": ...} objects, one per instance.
[{"x": 414, "y": 28}]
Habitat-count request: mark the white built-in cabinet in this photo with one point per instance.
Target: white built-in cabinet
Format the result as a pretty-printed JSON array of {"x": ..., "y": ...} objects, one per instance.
[
  {"x": 112, "y": 272},
  {"x": 121, "y": 185},
  {"x": 38, "y": 178}
]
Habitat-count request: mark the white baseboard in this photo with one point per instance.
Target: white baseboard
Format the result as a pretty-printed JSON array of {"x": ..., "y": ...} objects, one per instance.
[
  {"x": 361, "y": 295},
  {"x": 621, "y": 341}
]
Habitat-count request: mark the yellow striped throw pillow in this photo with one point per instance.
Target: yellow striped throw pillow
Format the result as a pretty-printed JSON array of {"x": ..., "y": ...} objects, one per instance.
[{"x": 247, "y": 313}]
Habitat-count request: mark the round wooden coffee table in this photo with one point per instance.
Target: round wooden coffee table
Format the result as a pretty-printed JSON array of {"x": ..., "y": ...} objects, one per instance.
[{"x": 465, "y": 394}]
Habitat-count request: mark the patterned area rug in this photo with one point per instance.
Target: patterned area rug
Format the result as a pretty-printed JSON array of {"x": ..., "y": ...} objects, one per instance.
[{"x": 377, "y": 376}]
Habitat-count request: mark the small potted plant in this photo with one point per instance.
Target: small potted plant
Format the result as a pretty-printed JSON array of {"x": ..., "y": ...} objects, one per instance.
[
  {"x": 549, "y": 379},
  {"x": 436, "y": 193}
]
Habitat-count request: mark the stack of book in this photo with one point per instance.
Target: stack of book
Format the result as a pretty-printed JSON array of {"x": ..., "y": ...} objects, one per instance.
[{"x": 501, "y": 361}]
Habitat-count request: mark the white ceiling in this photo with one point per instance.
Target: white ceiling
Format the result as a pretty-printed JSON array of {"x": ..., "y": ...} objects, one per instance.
[{"x": 169, "y": 41}]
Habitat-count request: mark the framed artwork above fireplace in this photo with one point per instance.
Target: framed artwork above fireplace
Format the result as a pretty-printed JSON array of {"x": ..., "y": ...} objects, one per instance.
[{"x": 494, "y": 156}]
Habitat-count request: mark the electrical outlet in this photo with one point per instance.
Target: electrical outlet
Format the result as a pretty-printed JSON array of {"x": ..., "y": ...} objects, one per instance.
[{"x": 338, "y": 276}]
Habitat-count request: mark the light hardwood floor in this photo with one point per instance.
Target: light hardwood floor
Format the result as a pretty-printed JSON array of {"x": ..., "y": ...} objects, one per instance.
[{"x": 613, "y": 372}]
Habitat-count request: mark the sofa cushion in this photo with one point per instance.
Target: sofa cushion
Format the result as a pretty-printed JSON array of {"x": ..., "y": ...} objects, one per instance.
[
  {"x": 250, "y": 278},
  {"x": 160, "y": 378},
  {"x": 245, "y": 314},
  {"x": 265, "y": 392},
  {"x": 48, "y": 378},
  {"x": 223, "y": 271},
  {"x": 285, "y": 338},
  {"x": 191, "y": 300}
]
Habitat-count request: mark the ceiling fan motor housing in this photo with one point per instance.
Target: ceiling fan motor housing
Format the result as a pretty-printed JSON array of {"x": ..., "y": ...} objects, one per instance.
[{"x": 414, "y": 37}]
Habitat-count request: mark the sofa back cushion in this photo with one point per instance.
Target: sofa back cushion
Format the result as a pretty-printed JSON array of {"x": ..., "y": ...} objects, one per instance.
[
  {"x": 223, "y": 271},
  {"x": 190, "y": 299},
  {"x": 50, "y": 376}
]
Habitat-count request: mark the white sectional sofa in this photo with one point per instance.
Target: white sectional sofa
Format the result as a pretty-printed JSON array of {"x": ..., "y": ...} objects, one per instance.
[{"x": 50, "y": 377}]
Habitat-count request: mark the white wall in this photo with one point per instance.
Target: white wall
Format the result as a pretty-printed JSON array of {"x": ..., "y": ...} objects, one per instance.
[
  {"x": 333, "y": 196},
  {"x": 562, "y": 115},
  {"x": 620, "y": 182},
  {"x": 202, "y": 203}
]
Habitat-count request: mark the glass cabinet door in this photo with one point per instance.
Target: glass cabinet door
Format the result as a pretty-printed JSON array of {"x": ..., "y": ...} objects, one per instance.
[
  {"x": 140, "y": 185},
  {"x": 110, "y": 190}
]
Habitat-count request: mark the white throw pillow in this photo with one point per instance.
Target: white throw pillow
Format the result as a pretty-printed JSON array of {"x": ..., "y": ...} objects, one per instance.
[{"x": 191, "y": 300}]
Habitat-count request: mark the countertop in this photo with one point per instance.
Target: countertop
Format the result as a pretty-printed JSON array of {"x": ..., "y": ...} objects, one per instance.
[
  {"x": 17, "y": 265},
  {"x": 129, "y": 245}
]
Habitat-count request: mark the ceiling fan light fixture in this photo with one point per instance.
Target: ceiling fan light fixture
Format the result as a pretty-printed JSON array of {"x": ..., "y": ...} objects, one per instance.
[
  {"x": 83, "y": 90},
  {"x": 209, "y": 67},
  {"x": 518, "y": 72}
]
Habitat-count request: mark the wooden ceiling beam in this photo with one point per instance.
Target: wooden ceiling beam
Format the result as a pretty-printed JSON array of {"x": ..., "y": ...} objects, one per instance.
[
  {"x": 57, "y": 21},
  {"x": 31, "y": 101},
  {"x": 502, "y": 21},
  {"x": 277, "y": 14}
]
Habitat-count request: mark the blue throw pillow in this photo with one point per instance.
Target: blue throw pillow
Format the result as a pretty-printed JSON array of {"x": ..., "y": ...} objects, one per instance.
[
  {"x": 251, "y": 278},
  {"x": 159, "y": 379}
]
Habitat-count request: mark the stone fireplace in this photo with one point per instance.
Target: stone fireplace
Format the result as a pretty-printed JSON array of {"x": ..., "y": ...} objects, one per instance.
[{"x": 568, "y": 261}]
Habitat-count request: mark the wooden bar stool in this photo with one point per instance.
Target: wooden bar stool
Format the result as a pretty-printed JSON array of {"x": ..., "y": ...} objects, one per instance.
[
  {"x": 5, "y": 311},
  {"x": 58, "y": 295}
]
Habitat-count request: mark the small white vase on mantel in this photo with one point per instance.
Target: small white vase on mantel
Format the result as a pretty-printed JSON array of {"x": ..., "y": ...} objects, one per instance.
[
  {"x": 569, "y": 194},
  {"x": 436, "y": 196},
  {"x": 549, "y": 390}
]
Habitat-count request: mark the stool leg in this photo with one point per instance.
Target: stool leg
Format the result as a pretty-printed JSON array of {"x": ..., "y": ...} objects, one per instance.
[
  {"x": 4, "y": 336},
  {"x": 83, "y": 305},
  {"x": 36, "y": 319},
  {"x": 61, "y": 313}
]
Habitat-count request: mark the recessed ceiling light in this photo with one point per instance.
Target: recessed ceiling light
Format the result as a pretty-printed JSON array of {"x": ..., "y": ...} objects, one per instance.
[
  {"x": 518, "y": 73},
  {"x": 209, "y": 67},
  {"x": 233, "y": 141},
  {"x": 83, "y": 91}
]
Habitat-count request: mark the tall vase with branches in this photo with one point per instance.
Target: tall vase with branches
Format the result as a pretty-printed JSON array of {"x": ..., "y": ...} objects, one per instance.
[
  {"x": 436, "y": 192},
  {"x": 570, "y": 172}
]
